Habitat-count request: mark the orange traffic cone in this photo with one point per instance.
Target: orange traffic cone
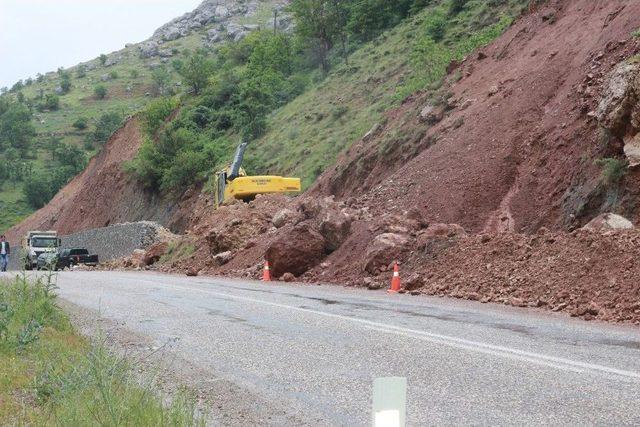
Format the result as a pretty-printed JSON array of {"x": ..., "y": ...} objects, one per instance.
[
  {"x": 395, "y": 281},
  {"x": 266, "y": 273}
]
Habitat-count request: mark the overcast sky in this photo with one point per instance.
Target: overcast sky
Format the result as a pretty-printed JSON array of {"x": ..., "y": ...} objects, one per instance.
[{"x": 37, "y": 36}]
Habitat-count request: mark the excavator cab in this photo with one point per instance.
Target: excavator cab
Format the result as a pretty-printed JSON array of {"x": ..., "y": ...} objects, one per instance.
[{"x": 233, "y": 183}]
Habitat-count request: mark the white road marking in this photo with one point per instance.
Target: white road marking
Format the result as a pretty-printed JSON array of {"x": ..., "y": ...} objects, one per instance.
[{"x": 460, "y": 343}]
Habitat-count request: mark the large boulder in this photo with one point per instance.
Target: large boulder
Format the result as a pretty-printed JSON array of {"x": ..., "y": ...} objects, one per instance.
[
  {"x": 296, "y": 251},
  {"x": 335, "y": 228},
  {"x": 155, "y": 252},
  {"x": 383, "y": 250},
  {"x": 608, "y": 222},
  {"x": 431, "y": 114},
  {"x": 619, "y": 108},
  {"x": 283, "y": 217}
]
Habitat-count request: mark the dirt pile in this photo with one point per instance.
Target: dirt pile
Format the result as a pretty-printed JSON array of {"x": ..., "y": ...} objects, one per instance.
[{"x": 586, "y": 274}]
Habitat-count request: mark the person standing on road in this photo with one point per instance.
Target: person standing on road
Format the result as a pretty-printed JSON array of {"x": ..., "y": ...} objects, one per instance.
[{"x": 5, "y": 251}]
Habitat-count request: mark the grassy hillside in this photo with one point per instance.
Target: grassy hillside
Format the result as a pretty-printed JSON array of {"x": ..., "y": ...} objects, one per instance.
[
  {"x": 129, "y": 82},
  {"x": 306, "y": 136},
  {"x": 269, "y": 91}
]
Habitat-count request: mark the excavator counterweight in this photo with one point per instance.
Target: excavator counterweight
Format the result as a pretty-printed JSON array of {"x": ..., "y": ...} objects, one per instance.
[{"x": 233, "y": 183}]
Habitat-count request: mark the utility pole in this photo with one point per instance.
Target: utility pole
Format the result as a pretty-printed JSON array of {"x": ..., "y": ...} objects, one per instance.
[{"x": 275, "y": 21}]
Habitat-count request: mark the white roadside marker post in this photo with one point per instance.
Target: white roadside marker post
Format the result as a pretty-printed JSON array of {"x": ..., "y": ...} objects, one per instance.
[{"x": 389, "y": 402}]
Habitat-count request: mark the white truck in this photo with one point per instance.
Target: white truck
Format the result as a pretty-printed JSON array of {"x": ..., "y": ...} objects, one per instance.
[{"x": 36, "y": 243}]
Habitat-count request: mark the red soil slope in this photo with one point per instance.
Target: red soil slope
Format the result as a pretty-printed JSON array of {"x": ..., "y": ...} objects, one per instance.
[
  {"x": 102, "y": 194},
  {"x": 516, "y": 150}
]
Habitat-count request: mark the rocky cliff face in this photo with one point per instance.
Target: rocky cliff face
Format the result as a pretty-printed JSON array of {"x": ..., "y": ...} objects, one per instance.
[
  {"x": 619, "y": 108},
  {"x": 224, "y": 14},
  {"x": 218, "y": 21}
]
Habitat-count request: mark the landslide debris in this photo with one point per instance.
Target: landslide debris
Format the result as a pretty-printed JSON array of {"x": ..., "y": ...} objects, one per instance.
[{"x": 480, "y": 190}]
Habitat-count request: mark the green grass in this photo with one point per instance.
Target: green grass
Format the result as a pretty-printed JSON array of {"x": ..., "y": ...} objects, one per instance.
[
  {"x": 178, "y": 250},
  {"x": 49, "y": 375},
  {"x": 613, "y": 170}
]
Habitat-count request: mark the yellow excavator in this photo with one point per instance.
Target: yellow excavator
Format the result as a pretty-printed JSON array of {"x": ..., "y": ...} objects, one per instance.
[{"x": 232, "y": 182}]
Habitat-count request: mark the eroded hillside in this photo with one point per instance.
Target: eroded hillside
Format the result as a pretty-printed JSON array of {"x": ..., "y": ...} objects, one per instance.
[
  {"x": 480, "y": 186},
  {"x": 516, "y": 146}
]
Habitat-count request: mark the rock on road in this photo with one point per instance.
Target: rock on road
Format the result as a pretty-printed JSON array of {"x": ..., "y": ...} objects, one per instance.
[{"x": 309, "y": 354}]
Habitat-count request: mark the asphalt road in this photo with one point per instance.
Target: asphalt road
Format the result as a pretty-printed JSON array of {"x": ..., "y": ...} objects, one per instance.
[{"x": 315, "y": 350}]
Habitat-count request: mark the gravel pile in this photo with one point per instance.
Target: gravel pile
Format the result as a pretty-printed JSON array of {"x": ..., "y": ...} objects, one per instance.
[{"x": 117, "y": 240}]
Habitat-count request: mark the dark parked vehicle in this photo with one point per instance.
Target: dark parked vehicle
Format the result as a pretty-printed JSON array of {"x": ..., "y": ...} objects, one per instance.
[
  {"x": 76, "y": 256},
  {"x": 47, "y": 261}
]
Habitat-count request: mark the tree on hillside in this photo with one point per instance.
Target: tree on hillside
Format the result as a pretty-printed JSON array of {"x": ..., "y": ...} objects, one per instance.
[
  {"x": 100, "y": 92},
  {"x": 319, "y": 24},
  {"x": 81, "y": 71},
  {"x": 18, "y": 86},
  {"x": 456, "y": 6},
  {"x": 106, "y": 125},
  {"x": 51, "y": 102},
  {"x": 16, "y": 129},
  {"x": 196, "y": 72},
  {"x": 368, "y": 18},
  {"x": 103, "y": 59},
  {"x": 161, "y": 81},
  {"x": 65, "y": 82}
]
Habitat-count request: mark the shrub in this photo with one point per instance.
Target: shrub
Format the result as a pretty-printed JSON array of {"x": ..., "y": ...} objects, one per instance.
[
  {"x": 436, "y": 27},
  {"x": 185, "y": 169},
  {"x": 161, "y": 80},
  {"x": 65, "y": 83},
  {"x": 100, "y": 92},
  {"x": 613, "y": 170},
  {"x": 106, "y": 125},
  {"x": 456, "y": 6},
  {"x": 51, "y": 102},
  {"x": 103, "y": 59},
  {"x": 134, "y": 74},
  {"x": 157, "y": 112},
  {"x": 81, "y": 123},
  {"x": 113, "y": 74}
]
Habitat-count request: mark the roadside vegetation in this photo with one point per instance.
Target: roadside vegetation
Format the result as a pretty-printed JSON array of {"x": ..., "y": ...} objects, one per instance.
[{"x": 49, "y": 375}]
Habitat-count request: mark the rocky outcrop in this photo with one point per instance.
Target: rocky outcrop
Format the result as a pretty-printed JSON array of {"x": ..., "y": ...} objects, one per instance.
[
  {"x": 607, "y": 222},
  {"x": 619, "y": 108},
  {"x": 149, "y": 49},
  {"x": 219, "y": 12},
  {"x": 283, "y": 217}
]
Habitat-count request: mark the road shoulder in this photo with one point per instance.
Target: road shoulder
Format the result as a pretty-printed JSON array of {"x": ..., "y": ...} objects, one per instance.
[{"x": 223, "y": 401}]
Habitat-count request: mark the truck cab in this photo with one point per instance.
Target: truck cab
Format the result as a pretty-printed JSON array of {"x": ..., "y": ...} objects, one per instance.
[{"x": 36, "y": 243}]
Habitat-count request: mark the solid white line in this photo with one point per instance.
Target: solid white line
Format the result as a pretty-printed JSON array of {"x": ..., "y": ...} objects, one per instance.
[{"x": 461, "y": 343}]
